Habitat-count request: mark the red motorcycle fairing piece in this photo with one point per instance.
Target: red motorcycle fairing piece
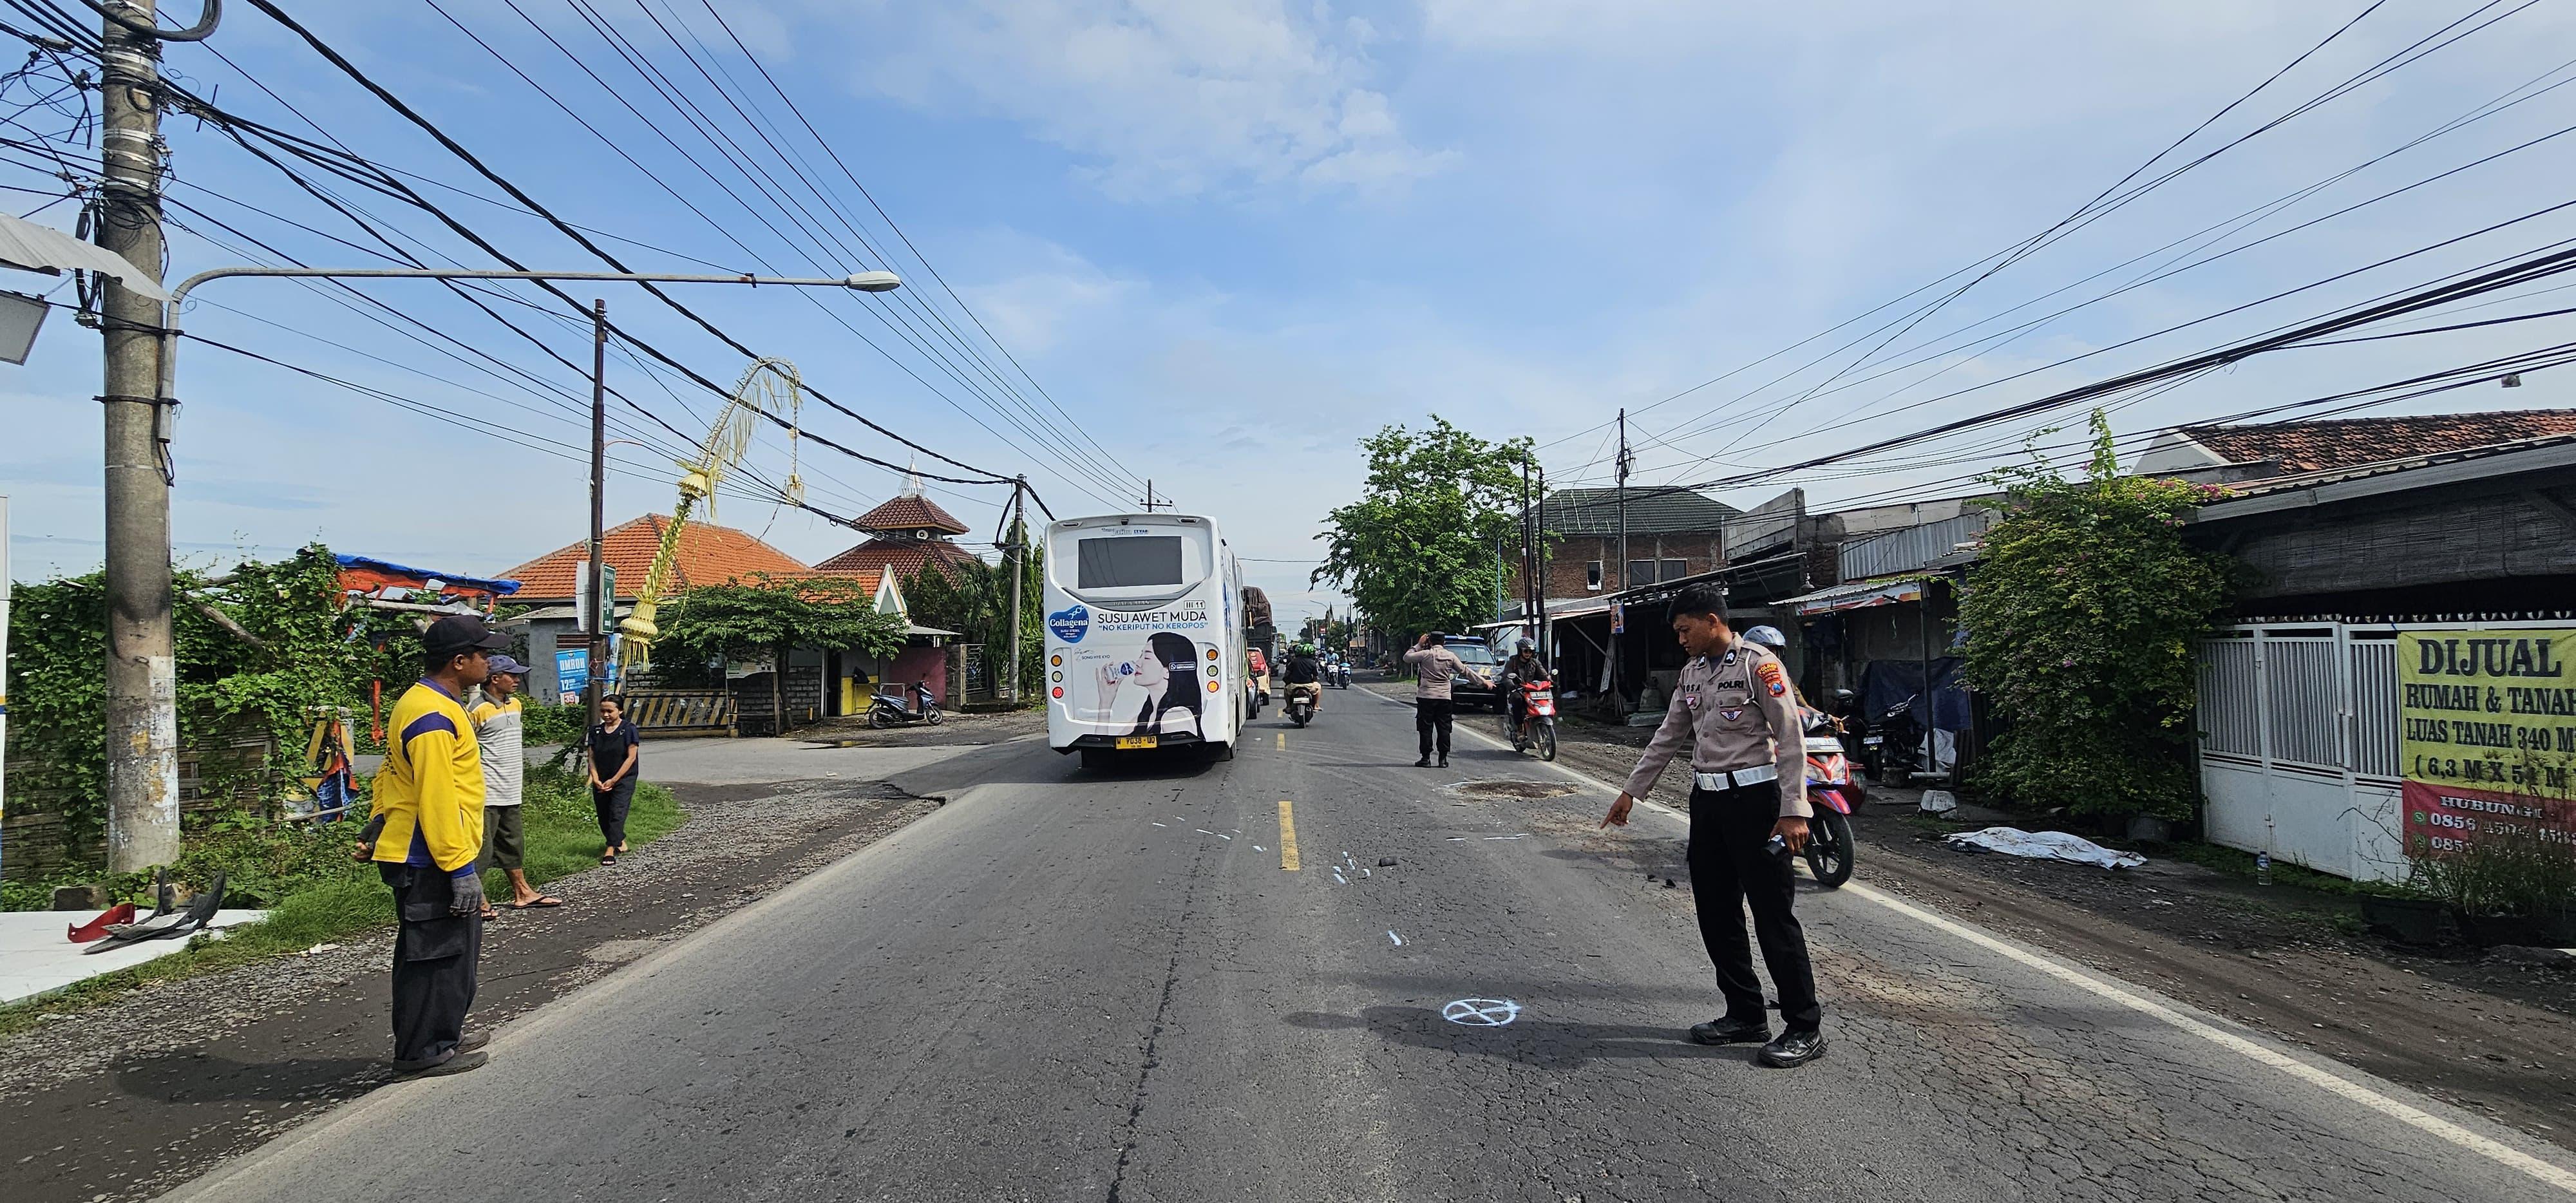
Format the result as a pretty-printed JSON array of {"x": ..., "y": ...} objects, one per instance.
[{"x": 96, "y": 929}]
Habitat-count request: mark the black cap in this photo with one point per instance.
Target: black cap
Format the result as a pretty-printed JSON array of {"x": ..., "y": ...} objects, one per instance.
[{"x": 462, "y": 633}]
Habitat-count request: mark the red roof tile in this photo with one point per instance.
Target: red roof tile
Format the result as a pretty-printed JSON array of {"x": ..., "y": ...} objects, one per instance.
[
  {"x": 2352, "y": 442},
  {"x": 906, "y": 557},
  {"x": 707, "y": 555},
  {"x": 911, "y": 511}
]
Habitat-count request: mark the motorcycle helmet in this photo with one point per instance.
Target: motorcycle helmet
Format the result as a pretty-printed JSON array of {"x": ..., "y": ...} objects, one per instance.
[
  {"x": 1526, "y": 645},
  {"x": 1767, "y": 636}
]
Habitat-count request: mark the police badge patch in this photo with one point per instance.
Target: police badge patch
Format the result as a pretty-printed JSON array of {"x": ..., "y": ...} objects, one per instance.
[{"x": 1772, "y": 678}]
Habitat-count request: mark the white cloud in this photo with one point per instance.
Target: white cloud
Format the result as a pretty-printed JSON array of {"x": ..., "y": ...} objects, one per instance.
[{"x": 1161, "y": 98}]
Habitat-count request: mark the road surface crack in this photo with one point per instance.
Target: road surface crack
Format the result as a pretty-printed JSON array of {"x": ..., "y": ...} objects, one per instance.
[{"x": 1154, "y": 1032}]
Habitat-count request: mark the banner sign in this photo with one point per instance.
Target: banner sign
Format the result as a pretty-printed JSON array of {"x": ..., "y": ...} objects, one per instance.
[{"x": 2487, "y": 736}]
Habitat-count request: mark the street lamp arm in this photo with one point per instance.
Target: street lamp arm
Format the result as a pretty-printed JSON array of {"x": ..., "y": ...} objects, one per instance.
[{"x": 859, "y": 282}]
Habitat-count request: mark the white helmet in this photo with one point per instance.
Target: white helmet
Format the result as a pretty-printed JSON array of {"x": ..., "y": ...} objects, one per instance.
[{"x": 1767, "y": 636}]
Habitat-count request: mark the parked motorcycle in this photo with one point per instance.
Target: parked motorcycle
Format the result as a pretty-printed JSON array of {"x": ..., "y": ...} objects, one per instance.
[
  {"x": 1301, "y": 704},
  {"x": 1893, "y": 745},
  {"x": 885, "y": 711},
  {"x": 1538, "y": 698},
  {"x": 1833, "y": 795}
]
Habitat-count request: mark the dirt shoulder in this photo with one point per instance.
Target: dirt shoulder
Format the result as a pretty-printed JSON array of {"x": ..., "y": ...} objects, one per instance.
[
  {"x": 958, "y": 730},
  {"x": 2473, "y": 1028},
  {"x": 128, "y": 1102}
]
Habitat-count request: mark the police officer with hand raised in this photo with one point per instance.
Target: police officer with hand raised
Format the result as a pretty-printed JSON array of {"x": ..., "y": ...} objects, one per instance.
[{"x": 1734, "y": 708}]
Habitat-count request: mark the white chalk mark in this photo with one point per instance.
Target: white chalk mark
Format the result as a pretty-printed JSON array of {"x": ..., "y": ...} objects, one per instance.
[
  {"x": 1203, "y": 831},
  {"x": 1259, "y": 848},
  {"x": 1481, "y": 1012},
  {"x": 1452, "y": 839},
  {"x": 1399, "y": 940},
  {"x": 1160, "y": 824},
  {"x": 1365, "y": 873},
  {"x": 1223, "y": 836},
  {"x": 1522, "y": 836},
  {"x": 1338, "y": 879}
]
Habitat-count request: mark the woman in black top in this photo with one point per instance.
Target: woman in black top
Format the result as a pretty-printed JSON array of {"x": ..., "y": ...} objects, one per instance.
[{"x": 615, "y": 752}]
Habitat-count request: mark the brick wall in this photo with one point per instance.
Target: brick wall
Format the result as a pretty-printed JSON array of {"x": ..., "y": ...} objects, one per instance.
[{"x": 1569, "y": 561}]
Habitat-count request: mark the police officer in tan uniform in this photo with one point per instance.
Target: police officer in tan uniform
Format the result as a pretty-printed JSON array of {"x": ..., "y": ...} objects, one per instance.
[{"x": 1737, "y": 713}]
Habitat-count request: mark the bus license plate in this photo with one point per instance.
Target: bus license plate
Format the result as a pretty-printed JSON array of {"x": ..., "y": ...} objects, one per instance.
[{"x": 1136, "y": 741}]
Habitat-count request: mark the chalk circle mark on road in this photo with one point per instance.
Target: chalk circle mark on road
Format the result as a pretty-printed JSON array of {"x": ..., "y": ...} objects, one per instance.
[{"x": 1481, "y": 1012}]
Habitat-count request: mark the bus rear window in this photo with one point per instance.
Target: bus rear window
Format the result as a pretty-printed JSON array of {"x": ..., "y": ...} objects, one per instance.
[{"x": 1119, "y": 563}]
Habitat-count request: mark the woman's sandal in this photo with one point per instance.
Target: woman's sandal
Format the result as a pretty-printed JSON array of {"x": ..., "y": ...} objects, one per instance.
[{"x": 608, "y": 858}]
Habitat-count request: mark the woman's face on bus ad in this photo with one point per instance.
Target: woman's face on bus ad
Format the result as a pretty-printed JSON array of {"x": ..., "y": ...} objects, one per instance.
[{"x": 1151, "y": 672}]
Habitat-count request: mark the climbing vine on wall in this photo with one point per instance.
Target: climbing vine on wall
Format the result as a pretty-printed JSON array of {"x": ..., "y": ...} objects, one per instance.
[{"x": 258, "y": 649}]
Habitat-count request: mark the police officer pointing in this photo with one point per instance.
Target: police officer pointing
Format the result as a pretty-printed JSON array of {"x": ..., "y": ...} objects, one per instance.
[{"x": 1736, "y": 711}]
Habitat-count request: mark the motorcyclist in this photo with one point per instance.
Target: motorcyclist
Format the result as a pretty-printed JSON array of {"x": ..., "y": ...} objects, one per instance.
[
  {"x": 1523, "y": 668},
  {"x": 1305, "y": 674},
  {"x": 1770, "y": 637}
]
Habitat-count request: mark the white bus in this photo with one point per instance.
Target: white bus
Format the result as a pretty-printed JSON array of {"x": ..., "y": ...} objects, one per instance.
[{"x": 1144, "y": 643}]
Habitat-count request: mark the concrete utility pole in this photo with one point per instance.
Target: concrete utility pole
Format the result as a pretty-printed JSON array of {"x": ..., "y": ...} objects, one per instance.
[
  {"x": 142, "y": 674},
  {"x": 1538, "y": 523},
  {"x": 1624, "y": 583},
  {"x": 1150, "y": 503},
  {"x": 1017, "y": 558},
  {"x": 602, "y": 605}
]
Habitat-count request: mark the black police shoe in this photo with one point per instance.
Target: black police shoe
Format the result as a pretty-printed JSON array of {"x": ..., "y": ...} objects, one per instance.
[
  {"x": 1444, "y": 762},
  {"x": 1792, "y": 1049},
  {"x": 1731, "y": 1031},
  {"x": 1423, "y": 763}
]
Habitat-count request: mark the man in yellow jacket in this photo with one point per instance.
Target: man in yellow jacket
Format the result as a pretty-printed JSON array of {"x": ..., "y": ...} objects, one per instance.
[{"x": 429, "y": 798}]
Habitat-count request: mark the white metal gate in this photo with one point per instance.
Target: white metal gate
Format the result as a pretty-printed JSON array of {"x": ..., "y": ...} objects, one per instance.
[{"x": 2298, "y": 745}]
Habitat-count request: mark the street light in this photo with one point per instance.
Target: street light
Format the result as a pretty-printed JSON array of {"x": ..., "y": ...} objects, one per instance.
[{"x": 142, "y": 718}]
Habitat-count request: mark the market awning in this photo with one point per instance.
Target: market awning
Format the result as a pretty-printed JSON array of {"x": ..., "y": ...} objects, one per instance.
[{"x": 1858, "y": 596}]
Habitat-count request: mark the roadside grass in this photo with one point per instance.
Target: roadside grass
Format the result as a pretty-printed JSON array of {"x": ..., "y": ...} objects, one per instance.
[{"x": 335, "y": 899}]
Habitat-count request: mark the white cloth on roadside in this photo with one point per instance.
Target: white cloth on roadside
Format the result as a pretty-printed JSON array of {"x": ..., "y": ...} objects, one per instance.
[
  {"x": 1939, "y": 801},
  {"x": 2044, "y": 845}
]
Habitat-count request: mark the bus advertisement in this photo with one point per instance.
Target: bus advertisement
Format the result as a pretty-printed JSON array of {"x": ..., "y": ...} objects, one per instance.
[{"x": 1144, "y": 640}]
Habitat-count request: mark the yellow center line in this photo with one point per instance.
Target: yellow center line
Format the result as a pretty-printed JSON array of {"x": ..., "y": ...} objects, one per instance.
[
  {"x": 1287, "y": 837},
  {"x": 1283, "y": 739}
]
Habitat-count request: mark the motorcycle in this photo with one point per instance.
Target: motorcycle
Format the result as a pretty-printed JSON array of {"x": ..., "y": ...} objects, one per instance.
[
  {"x": 1342, "y": 674},
  {"x": 1893, "y": 744},
  {"x": 1833, "y": 795},
  {"x": 884, "y": 711},
  {"x": 1301, "y": 704},
  {"x": 1538, "y": 700}
]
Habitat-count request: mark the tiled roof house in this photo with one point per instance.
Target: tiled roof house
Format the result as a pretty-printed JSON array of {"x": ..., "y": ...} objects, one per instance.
[
  {"x": 907, "y": 534},
  {"x": 2266, "y": 449},
  {"x": 707, "y": 555}
]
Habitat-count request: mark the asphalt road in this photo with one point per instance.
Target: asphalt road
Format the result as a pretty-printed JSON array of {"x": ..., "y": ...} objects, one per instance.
[{"x": 1078, "y": 987}]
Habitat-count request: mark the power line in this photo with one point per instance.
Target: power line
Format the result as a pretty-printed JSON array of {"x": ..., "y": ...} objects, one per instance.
[{"x": 453, "y": 147}]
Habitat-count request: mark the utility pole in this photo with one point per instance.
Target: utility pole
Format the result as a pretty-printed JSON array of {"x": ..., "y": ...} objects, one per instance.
[
  {"x": 1538, "y": 546},
  {"x": 601, "y": 604},
  {"x": 142, "y": 673},
  {"x": 1150, "y": 503},
  {"x": 1018, "y": 557},
  {"x": 1624, "y": 583}
]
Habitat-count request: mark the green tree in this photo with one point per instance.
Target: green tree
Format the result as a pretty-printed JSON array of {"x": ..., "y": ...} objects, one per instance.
[
  {"x": 2083, "y": 618},
  {"x": 1416, "y": 551},
  {"x": 770, "y": 616}
]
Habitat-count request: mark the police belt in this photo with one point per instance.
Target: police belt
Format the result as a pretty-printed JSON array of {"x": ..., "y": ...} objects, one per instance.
[{"x": 1738, "y": 779}]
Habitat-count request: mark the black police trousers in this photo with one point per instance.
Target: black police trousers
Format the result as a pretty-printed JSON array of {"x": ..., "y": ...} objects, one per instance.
[
  {"x": 1731, "y": 868},
  {"x": 1430, "y": 716},
  {"x": 435, "y": 956}
]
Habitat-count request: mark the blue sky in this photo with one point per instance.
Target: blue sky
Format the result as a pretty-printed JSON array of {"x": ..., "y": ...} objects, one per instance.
[{"x": 1229, "y": 238}]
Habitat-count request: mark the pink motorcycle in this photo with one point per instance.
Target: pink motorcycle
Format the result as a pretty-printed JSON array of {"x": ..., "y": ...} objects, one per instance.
[{"x": 1833, "y": 795}]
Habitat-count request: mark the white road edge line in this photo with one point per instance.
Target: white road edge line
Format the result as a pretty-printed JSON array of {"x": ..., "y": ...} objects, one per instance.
[{"x": 2334, "y": 1084}]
